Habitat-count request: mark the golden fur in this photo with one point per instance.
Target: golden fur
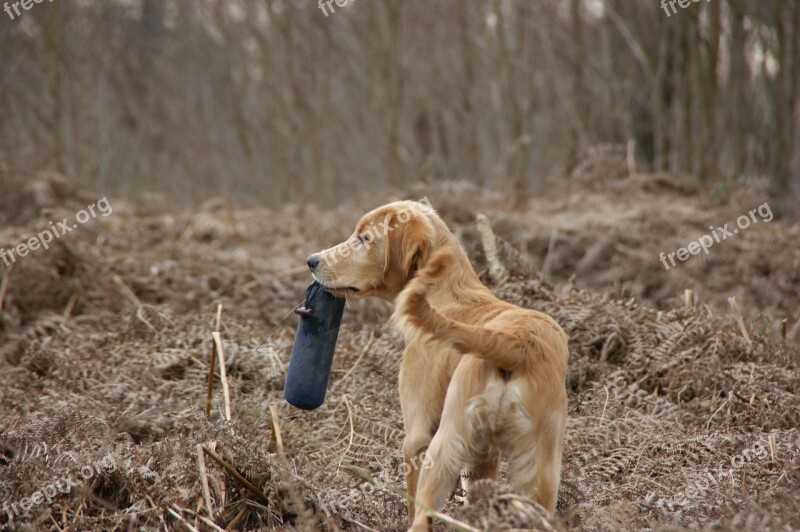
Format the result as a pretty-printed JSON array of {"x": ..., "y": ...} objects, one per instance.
[{"x": 479, "y": 377}]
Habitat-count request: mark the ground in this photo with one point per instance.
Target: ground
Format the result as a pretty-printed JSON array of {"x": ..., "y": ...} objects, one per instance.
[{"x": 684, "y": 413}]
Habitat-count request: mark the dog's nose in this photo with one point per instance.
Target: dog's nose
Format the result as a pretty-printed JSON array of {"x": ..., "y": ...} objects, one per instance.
[{"x": 313, "y": 262}]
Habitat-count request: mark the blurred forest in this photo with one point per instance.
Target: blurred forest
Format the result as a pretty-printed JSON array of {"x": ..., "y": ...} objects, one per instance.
[{"x": 273, "y": 100}]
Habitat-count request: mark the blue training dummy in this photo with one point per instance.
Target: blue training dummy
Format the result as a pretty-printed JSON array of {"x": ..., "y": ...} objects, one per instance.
[{"x": 314, "y": 344}]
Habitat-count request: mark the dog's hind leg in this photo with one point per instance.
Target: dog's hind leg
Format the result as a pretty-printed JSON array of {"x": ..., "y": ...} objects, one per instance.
[
  {"x": 453, "y": 447},
  {"x": 480, "y": 413},
  {"x": 533, "y": 448}
]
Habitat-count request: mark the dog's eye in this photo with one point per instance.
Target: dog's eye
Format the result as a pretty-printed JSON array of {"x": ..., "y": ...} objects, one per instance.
[{"x": 364, "y": 239}]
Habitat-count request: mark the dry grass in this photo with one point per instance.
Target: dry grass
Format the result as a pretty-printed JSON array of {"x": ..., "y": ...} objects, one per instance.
[{"x": 670, "y": 406}]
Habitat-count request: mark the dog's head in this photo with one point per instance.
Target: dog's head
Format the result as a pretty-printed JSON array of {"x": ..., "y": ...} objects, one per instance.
[{"x": 388, "y": 246}]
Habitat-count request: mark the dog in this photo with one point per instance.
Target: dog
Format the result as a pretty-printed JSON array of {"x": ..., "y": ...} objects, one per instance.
[{"x": 479, "y": 377}]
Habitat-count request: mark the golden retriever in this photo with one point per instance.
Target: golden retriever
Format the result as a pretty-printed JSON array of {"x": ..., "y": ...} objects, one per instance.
[{"x": 479, "y": 377}]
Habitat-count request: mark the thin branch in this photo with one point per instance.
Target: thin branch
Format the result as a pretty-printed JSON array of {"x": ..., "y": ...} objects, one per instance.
[
  {"x": 4, "y": 284},
  {"x": 222, "y": 374},
  {"x": 201, "y": 465},
  {"x": 236, "y": 474}
]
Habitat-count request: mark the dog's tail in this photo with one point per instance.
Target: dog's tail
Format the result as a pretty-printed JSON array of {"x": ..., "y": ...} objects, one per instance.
[{"x": 501, "y": 349}]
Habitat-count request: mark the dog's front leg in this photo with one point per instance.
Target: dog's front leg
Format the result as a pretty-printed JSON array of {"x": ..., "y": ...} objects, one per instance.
[
  {"x": 438, "y": 478},
  {"x": 414, "y": 445},
  {"x": 421, "y": 404}
]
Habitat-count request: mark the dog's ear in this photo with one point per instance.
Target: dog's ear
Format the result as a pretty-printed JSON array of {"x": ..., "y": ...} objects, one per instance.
[{"x": 407, "y": 247}]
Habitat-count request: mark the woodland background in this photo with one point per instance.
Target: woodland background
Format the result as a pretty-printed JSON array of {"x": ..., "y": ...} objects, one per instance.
[{"x": 271, "y": 100}]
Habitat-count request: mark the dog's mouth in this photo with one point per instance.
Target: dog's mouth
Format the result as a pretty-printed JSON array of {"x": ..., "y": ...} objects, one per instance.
[
  {"x": 342, "y": 291},
  {"x": 339, "y": 291}
]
